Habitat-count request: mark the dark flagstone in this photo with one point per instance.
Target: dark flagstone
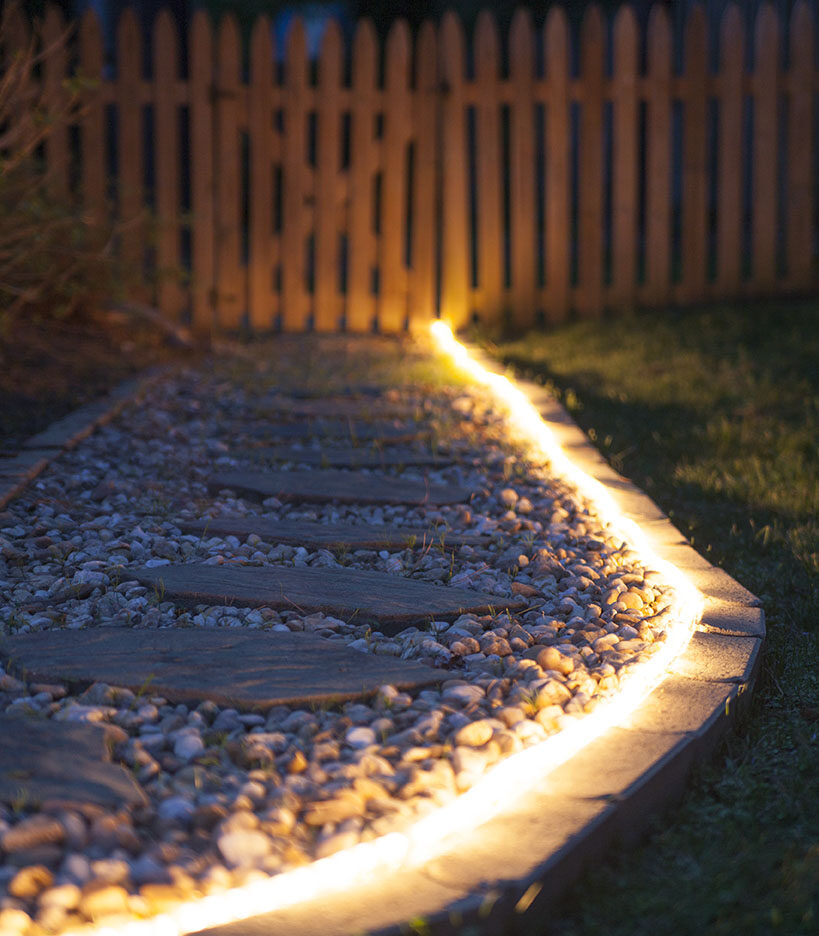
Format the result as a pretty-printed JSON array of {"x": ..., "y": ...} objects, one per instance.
[
  {"x": 339, "y": 407},
  {"x": 331, "y": 535},
  {"x": 234, "y": 667},
  {"x": 345, "y": 487},
  {"x": 337, "y": 429},
  {"x": 345, "y": 457},
  {"x": 390, "y": 601},
  {"x": 44, "y": 759}
]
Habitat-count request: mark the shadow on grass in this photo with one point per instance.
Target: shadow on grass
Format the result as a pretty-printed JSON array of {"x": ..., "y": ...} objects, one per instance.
[{"x": 714, "y": 413}]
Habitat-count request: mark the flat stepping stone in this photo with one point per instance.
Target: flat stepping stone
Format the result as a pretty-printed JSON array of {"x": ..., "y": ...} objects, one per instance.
[
  {"x": 343, "y": 457},
  {"x": 331, "y": 535},
  {"x": 239, "y": 668},
  {"x": 334, "y": 407},
  {"x": 344, "y": 487},
  {"x": 361, "y": 597},
  {"x": 354, "y": 432},
  {"x": 44, "y": 759}
]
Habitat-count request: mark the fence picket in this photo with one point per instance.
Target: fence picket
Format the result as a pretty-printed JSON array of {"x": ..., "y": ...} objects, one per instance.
[
  {"x": 454, "y": 205},
  {"x": 263, "y": 258},
  {"x": 729, "y": 174},
  {"x": 130, "y": 148},
  {"x": 327, "y": 308},
  {"x": 522, "y": 167},
  {"x": 54, "y": 74},
  {"x": 766, "y": 93},
  {"x": 694, "y": 175},
  {"x": 625, "y": 158},
  {"x": 202, "y": 172},
  {"x": 166, "y": 158},
  {"x": 230, "y": 293},
  {"x": 799, "y": 222},
  {"x": 360, "y": 298},
  {"x": 590, "y": 183},
  {"x": 425, "y": 130},
  {"x": 92, "y": 122},
  {"x": 658, "y": 158},
  {"x": 397, "y": 115},
  {"x": 558, "y": 165},
  {"x": 488, "y": 167},
  {"x": 295, "y": 300}
]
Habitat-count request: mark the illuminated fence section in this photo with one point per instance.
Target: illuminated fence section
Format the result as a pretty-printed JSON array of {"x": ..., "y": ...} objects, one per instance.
[{"x": 260, "y": 183}]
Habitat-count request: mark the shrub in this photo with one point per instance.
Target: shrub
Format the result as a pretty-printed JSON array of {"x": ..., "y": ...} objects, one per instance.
[{"x": 52, "y": 264}]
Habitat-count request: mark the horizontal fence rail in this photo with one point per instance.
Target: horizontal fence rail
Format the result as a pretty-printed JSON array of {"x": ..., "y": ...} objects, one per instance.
[{"x": 378, "y": 188}]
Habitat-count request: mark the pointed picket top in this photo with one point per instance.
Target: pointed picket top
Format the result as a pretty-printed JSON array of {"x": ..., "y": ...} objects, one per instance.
[
  {"x": 228, "y": 45},
  {"x": 798, "y": 224},
  {"x": 729, "y": 180},
  {"x": 90, "y": 42},
  {"x": 296, "y": 51},
  {"x": 330, "y": 56},
  {"x": 659, "y": 39},
  {"x": 129, "y": 46},
  {"x": 397, "y": 51},
  {"x": 452, "y": 48},
  {"x": 261, "y": 50},
  {"x": 522, "y": 44},
  {"x": 558, "y": 168},
  {"x": 766, "y": 134},
  {"x": 365, "y": 50},
  {"x": 422, "y": 279},
  {"x": 591, "y": 39},
  {"x": 487, "y": 47},
  {"x": 55, "y": 67},
  {"x": 626, "y": 36}
]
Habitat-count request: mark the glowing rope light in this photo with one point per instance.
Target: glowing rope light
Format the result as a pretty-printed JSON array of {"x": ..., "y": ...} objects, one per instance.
[{"x": 370, "y": 862}]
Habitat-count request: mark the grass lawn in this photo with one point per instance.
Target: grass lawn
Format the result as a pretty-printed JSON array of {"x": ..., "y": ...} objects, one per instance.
[{"x": 714, "y": 412}]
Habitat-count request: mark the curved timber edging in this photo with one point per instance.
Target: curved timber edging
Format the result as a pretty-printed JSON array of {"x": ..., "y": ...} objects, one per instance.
[
  {"x": 37, "y": 452},
  {"x": 508, "y": 873}
]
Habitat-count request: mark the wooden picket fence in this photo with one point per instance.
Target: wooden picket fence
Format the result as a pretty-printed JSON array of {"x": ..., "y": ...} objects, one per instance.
[{"x": 386, "y": 201}]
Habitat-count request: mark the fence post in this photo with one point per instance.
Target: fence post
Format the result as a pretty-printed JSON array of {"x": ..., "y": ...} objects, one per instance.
[
  {"x": 766, "y": 137},
  {"x": 54, "y": 74},
  {"x": 360, "y": 299},
  {"x": 729, "y": 168},
  {"x": 397, "y": 114},
  {"x": 522, "y": 168},
  {"x": 202, "y": 194},
  {"x": 558, "y": 165},
  {"x": 230, "y": 294},
  {"x": 658, "y": 158},
  {"x": 425, "y": 130},
  {"x": 93, "y": 170},
  {"x": 326, "y": 310},
  {"x": 625, "y": 168},
  {"x": 262, "y": 258},
  {"x": 455, "y": 249},
  {"x": 166, "y": 150},
  {"x": 296, "y": 184},
  {"x": 694, "y": 182},
  {"x": 799, "y": 233},
  {"x": 590, "y": 182},
  {"x": 129, "y": 147}
]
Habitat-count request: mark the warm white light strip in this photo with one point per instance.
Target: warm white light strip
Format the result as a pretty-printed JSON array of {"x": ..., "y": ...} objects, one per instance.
[{"x": 371, "y": 862}]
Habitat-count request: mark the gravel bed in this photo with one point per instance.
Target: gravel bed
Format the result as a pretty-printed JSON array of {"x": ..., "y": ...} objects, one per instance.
[{"x": 238, "y": 795}]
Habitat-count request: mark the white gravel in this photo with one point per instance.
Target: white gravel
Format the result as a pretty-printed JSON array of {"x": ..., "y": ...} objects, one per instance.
[{"x": 236, "y": 794}]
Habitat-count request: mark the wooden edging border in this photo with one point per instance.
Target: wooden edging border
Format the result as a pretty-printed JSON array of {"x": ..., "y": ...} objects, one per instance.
[
  {"x": 37, "y": 452},
  {"x": 507, "y": 876}
]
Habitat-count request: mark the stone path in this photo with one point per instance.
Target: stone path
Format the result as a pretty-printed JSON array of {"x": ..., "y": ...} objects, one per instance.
[
  {"x": 249, "y": 670},
  {"x": 344, "y": 487},
  {"x": 63, "y": 763},
  {"x": 346, "y": 457},
  {"x": 388, "y": 601},
  {"x": 189, "y": 704}
]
